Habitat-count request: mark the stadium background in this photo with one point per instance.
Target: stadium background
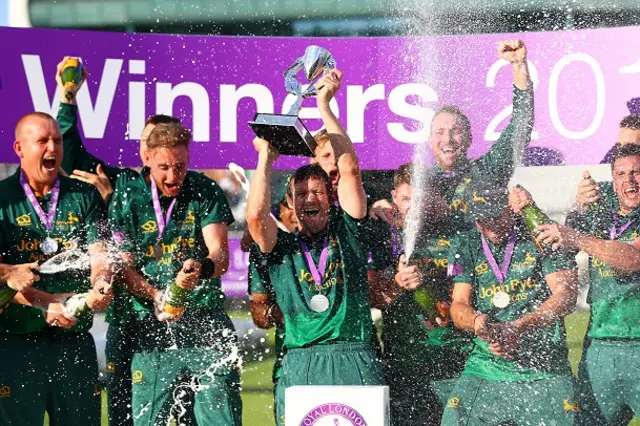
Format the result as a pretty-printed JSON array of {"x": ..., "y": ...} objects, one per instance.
[{"x": 358, "y": 18}]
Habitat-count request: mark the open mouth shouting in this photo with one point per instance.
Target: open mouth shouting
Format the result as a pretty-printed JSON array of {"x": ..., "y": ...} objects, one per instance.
[
  {"x": 310, "y": 212},
  {"x": 334, "y": 175},
  {"x": 49, "y": 163}
]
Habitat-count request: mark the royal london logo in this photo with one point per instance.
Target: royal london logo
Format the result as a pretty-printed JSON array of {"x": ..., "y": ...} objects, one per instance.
[
  {"x": 482, "y": 268},
  {"x": 24, "y": 220},
  {"x": 570, "y": 405},
  {"x": 5, "y": 391},
  {"x": 136, "y": 377},
  {"x": 453, "y": 402},
  {"x": 149, "y": 226},
  {"x": 71, "y": 220},
  {"x": 333, "y": 414}
]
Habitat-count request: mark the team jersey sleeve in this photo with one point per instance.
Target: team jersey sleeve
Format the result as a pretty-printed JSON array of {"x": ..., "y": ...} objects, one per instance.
[
  {"x": 96, "y": 216},
  {"x": 558, "y": 262},
  {"x": 380, "y": 245},
  {"x": 215, "y": 207},
  {"x": 259, "y": 281},
  {"x": 75, "y": 154},
  {"x": 120, "y": 222}
]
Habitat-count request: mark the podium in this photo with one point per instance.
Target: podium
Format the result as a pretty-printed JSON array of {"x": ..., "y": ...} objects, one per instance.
[{"x": 337, "y": 406}]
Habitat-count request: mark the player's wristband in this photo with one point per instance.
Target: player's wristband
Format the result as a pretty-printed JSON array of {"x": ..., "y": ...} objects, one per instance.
[{"x": 208, "y": 268}]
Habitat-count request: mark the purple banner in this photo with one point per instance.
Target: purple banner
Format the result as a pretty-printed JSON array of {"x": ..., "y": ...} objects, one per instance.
[
  {"x": 235, "y": 280},
  {"x": 391, "y": 88}
]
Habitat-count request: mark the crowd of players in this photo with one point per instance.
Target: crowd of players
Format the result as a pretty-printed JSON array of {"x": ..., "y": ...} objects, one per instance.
[{"x": 491, "y": 352}]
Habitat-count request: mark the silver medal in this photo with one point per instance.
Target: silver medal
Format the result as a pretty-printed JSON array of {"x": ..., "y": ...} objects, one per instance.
[
  {"x": 319, "y": 303},
  {"x": 501, "y": 300},
  {"x": 49, "y": 246}
]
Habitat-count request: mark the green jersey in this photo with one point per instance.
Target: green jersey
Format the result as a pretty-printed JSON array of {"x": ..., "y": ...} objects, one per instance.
[
  {"x": 259, "y": 283},
  {"x": 408, "y": 336},
  {"x": 541, "y": 353},
  {"x": 75, "y": 225},
  {"x": 614, "y": 296},
  {"x": 201, "y": 202},
  {"x": 344, "y": 284},
  {"x": 76, "y": 156},
  {"x": 497, "y": 165}
]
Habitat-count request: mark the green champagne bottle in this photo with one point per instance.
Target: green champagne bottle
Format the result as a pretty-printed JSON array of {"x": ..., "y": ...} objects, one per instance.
[
  {"x": 427, "y": 302},
  {"x": 174, "y": 299},
  {"x": 6, "y": 294},
  {"x": 76, "y": 305},
  {"x": 534, "y": 217},
  {"x": 71, "y": 76}
]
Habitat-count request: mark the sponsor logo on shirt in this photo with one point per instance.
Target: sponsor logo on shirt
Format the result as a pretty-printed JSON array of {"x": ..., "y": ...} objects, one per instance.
[
  {"x": 71, "y": 220},
  {"x": 516, "y": 289},
  {"x": 482, "y": 268},
  {"x": 111, "y": 367},
  {"x": 528, "y": 263},
  {"x": 5, "y": 391},
  {"x": 570, "y": 405},
  {"x": 33, "y": 246},
  {"x": 149, "y": 226},
  {"x": 136, "y": 377},
  {"x": 330, "y": 278},
  {"x": 172, "y": 250},
  {"x": 453, "y": 402},
  {"x": 24, "y": 220},
  {"x": 603, "y": 270}
]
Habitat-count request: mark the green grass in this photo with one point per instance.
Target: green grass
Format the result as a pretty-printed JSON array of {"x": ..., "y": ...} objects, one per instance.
[{"x": 257, "y": 396}]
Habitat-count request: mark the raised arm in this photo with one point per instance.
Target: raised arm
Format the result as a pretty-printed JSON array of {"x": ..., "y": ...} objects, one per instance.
[
  {"x": 353, "y": 199},
  {"x": 507, "y": 151},
  {"x": 262, "y": 228}
]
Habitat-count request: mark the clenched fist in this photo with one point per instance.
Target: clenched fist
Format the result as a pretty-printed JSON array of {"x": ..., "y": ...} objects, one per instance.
[{"x": 512, "y": 51}]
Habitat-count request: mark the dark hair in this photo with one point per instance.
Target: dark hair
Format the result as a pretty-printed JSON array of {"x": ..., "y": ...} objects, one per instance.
[
  {"x": 161, "y": 119},
  {"x": 404, "y": 174},
  {"x": 168, "y": 136},
  {"x": 631, "y": 121},
  {"x": 309, "y": 171},
  {"x": 621, "y": 151},
  {"x": 461, "y": 116}
]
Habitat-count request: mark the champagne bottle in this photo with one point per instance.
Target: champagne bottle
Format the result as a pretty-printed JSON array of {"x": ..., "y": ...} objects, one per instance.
[
  {"x": 174, "y": 299},
  {"x": 534, "y": 217},
  {"x": 76, "y": 305},
  {"x": 427, "y": 302},
  {"x": 71, "y": 76},
  {"x": 6, "y": 294}
]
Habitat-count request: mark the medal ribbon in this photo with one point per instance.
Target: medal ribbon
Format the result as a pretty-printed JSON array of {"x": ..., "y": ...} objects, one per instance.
[
  {"x": 47, "y": 219},
  {"x": 499, "y": 272},
  {"x": 615, "y": 233},
  {"x": 316, "y": 271},
  {"x": 395, "y": 243},
  {"x": 160, "y": 218}
]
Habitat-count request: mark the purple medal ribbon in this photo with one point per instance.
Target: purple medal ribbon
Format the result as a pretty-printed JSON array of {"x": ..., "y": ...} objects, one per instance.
[
  {"x": 499, "y": 272},
  {"x": 47, "y": 219},
  {"x": 316, "y": 271},
  {"x": 615, "y": 233},
  {"x": 160, "y": 218}
]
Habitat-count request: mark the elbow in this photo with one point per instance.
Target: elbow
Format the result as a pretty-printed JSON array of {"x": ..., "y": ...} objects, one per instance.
[{"x": 348, "y": 165}]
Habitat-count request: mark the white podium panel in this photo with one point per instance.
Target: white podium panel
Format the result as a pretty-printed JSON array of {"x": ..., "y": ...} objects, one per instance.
[{"x": 337, "y": 406}]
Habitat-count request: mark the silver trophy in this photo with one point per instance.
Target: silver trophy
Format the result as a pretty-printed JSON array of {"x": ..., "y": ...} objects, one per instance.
[{"x": 286, "y": 132}]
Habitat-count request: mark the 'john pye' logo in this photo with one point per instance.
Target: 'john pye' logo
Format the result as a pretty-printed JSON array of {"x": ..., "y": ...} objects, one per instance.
[{"x": 333, "y": 414}]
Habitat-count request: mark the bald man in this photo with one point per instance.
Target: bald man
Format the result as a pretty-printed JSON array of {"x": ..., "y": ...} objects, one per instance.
[{"x": 42, "y": 213}]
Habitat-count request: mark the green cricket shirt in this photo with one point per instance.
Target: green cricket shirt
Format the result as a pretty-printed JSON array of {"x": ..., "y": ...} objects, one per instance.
[
  {"x": 78, "y": 215},
  {"x": 344, "y": 283},
  {"x": 542, "y": 353}
]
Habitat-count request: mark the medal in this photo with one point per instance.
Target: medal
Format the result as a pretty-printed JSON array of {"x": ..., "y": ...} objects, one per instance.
[
  {"x": 501, "y": 300},
  {"x": 49, "y": 246},
  {"x": 161, "y": 219},
  {"x": 319, "y": 303},
  {"x": 615, "y": 231}
]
